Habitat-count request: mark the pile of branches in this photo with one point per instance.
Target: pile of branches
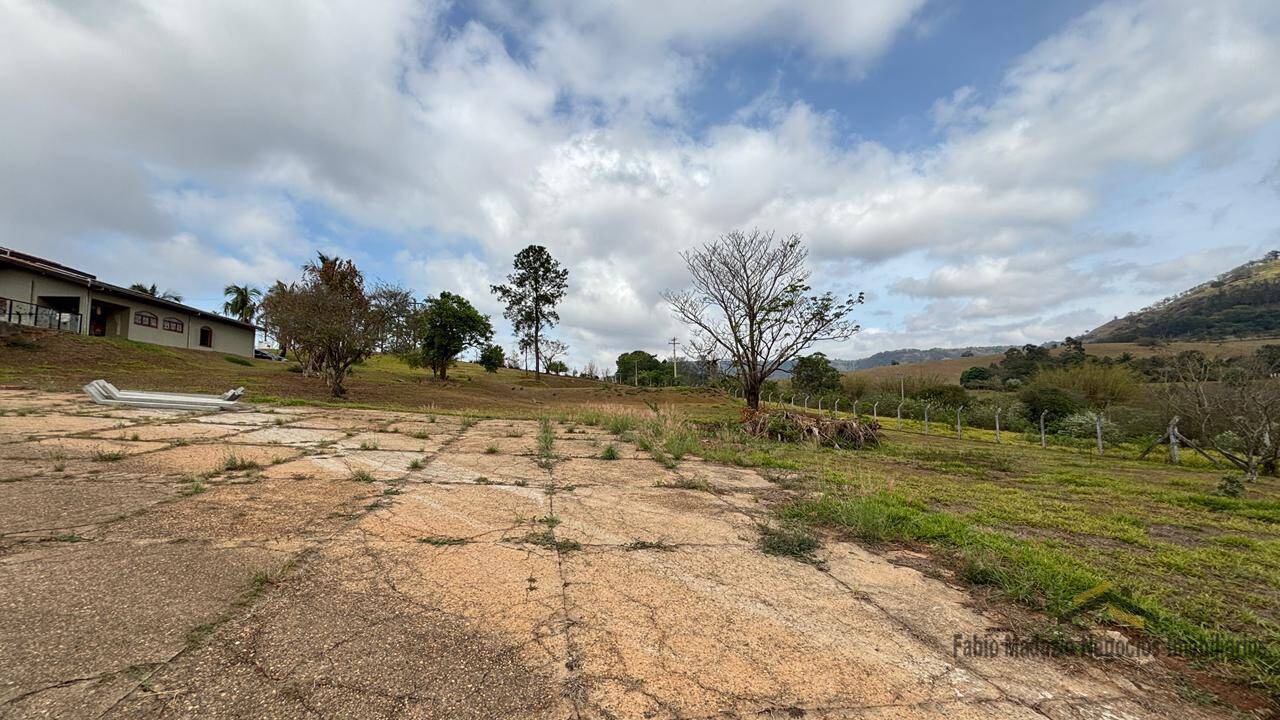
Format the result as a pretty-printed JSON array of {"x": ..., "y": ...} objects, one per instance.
[{"x": 783, "y": 425}]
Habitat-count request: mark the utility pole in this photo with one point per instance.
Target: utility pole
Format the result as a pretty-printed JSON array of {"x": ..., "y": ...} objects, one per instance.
[{"x": 675, "y": 375}]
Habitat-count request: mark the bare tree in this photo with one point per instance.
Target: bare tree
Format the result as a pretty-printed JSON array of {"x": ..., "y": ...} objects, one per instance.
[
  {"x": 1235, "y": 409},
  {"x": 551, "y": 350},
  {"x": 750, "y": 302}
]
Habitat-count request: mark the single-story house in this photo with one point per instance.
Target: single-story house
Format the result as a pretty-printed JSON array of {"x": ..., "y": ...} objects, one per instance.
[{"x": 43, "y": 293}]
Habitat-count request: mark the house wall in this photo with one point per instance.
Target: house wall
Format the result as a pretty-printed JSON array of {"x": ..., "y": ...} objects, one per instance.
[
  {"x": 29, "y": 287},
  {"x": 227, "y": 338}
]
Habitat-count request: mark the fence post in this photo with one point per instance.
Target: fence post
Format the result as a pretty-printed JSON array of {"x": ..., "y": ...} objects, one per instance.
[
  {"x": 806, "y": 402},
  {"x": 1173, "y": 440},
  {"x": 899, "y": 416},
  {"x": 875, "y": 416},
  {"x": 819, "y": 403},
  {"x": 998, "y": 424},
  {"x": 1097, "y": 420},
  {"x": 959, "y": 432},
  {"x": 926, "y": 418},
  {"x": 1043, "y": 443},
  {"x": 855, "y": 409},
  {"x": 837, "y": 408}
]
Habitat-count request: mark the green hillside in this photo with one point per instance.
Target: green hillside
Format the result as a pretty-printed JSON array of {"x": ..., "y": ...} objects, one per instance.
[{"x": 1240, "y": 303}]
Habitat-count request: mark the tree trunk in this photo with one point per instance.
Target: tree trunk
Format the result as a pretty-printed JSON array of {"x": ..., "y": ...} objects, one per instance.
[
  {"x": 752, "y": 394},
  {"x": 537, "y": 355}
]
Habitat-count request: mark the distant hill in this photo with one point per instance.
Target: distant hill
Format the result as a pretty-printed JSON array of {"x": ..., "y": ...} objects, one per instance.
[
  {"x": 910, "y": 356},
  {"x": 1240, "y": 303}
]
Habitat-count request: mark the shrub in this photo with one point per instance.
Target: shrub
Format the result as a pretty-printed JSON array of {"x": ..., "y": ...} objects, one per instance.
[
  {"x": 1055, "y": 402},
  {"x": 1082, "y": 425},
  {"x": 976, "y": 377},
  {"x": 944, "y": 395}
]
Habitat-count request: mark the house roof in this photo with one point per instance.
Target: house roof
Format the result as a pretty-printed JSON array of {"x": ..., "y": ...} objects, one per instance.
[{"x": 50, "y": 268}]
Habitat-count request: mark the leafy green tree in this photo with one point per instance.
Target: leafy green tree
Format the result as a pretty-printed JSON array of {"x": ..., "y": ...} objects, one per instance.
[
  {"x": 329, "y": 318},
  {"x": 492, "y": 358},
  {"x": 557, "y": 367},
  {"x": 242, "y": 302},
  {"x": 636, "y": 364},
  {"x": 533, "y": 290},
  {"x": 446, "y": 326},
  {"x": 814, "y": 375},
  {"x": 1056, "y": 403},
  {"x": 976, "y": 377}
]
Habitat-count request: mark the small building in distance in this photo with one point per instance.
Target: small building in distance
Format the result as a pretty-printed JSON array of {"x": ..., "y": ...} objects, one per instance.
[{"x": 42, "y": 293}]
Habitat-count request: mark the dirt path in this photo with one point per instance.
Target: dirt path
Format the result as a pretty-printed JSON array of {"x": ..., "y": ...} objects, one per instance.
[{"x": 379, "y": 564}]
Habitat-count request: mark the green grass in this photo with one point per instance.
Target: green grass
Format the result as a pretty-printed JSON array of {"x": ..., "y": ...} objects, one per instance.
[
  {"x": 1197, "y": 570},
  {"x": 442, "y": 541},
  {"x": 610, "y": 452},
  {"x": 546, "y": 439},
  {"x": 233, "y": 462},
  {"x": 791, "y": 540},
  {"x": 234, "y": 360}
]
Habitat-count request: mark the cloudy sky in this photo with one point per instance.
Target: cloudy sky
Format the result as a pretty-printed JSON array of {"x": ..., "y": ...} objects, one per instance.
[{"x": 987, "y": 172}]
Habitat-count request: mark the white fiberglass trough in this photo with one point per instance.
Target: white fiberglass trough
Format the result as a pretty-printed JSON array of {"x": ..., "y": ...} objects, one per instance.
[{"x": 104, "y": 393}]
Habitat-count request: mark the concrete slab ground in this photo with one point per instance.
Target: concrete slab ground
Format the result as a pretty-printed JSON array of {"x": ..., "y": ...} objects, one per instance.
[{"x": 349, "y": 563}]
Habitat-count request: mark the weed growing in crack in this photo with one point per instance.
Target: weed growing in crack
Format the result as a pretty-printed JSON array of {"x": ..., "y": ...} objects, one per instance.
[
  {"x": 420, "y": 435},
  {"x": 107, "y": 455},
  {"x": 393, "y": 491},
  {"x": 482, "y": 480},
  {"x": 551, "y": 521},
  {"x": 234, "y": 462},
  {"x": 193, "y": 486},
  {"x": 789, "y": 541},
  {"x": 520, "y": 483},
  {"x": 548, "y": 539},
  {"x": 442, "y": 541},
  {"x": 415, "y": 464},
  {"x": 68, "y": 538},
  {"x": 685, "y": 483},
  {"x": 179, "y": 442},
  {"x": 367, "y": 445},
  {"x": 514, "y": 434},
  {"x": 492, "y": 449},
  {"x": 610, "y": 452},
  {"x": 546, "y": 440},
  {"x": 649, "y": 545},
  {"x": 362, "y": 476}
]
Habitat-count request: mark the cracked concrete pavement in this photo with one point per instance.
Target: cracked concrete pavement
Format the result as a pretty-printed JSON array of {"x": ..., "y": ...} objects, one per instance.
[{"x": 297, "y": 562}]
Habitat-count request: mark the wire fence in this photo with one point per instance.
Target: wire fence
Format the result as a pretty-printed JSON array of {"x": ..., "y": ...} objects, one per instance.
[{"x": 948, "y": 423}]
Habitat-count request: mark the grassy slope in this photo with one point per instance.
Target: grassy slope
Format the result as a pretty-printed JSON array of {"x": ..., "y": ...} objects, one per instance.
[
  {"x": 67, "y": 362},
  {"x": 1041, "y": 526},
  {"x": 1231, "y": 287},
  {"x": 950, "y": 370}
]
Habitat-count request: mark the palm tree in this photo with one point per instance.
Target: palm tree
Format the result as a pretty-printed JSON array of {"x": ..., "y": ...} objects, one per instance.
[
  {"x": 242, "y": 302},
  {"x": 153, "y": 292}
]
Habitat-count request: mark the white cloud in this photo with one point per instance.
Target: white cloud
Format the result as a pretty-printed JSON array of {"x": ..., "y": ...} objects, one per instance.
[{"x": 159, "y": 130}]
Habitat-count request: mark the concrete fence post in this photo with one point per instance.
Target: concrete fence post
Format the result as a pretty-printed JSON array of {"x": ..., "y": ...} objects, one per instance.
[
  {"x": 1097, "y": 420},
  {"x": 959, "y": 432},
  {"x": 806, "y": 402},
  {"x": 837, "y": 408},
  {"x": 875, "y": 416},
  {"x": 998, "y": 424},
  {"x": 899, "y": 416},
  {"x": 926, "y": 418},
  {"x": 1044, "y": 443}
]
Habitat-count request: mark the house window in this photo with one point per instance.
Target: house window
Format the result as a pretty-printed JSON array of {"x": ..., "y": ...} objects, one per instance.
[
  {"x": 146, "y": 319},
  {"x": 173, "y": 325},
  {"x": 206, "y": 337}
]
